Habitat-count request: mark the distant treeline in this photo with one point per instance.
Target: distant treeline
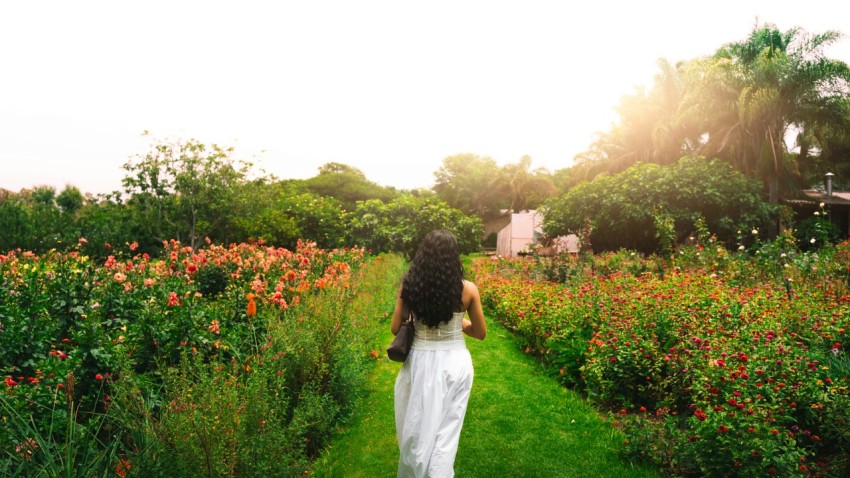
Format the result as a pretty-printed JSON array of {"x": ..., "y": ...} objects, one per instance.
[{"x": 736, "y": 107}]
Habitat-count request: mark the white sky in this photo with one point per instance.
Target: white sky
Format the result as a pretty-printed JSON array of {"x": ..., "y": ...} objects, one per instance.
[{"x": 390, "y": 87}]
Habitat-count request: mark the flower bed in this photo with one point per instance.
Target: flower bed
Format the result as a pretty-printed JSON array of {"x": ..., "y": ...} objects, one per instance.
[
  {"x": 115, "y": 349},
  {"x": 717, "y": 365}
]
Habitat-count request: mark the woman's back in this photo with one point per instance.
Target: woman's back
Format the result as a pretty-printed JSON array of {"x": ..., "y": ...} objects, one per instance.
[{"x": 445, "y": 336}]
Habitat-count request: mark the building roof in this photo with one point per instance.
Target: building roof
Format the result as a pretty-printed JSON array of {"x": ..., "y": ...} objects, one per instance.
[{"x": 817, "y": 196}]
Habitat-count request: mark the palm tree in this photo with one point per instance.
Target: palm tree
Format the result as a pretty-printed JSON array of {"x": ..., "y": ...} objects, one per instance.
[
  {"x": 650, "y": 129},
  {"x": 750, "y": 94}
]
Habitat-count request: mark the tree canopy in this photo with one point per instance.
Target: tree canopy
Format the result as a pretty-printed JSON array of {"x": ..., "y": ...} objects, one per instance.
[
  {"x": 622, "y": 208},
  {"x": 740, "y": 105}
]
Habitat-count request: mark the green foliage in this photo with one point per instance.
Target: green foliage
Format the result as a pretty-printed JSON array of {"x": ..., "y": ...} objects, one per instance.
[
  {"x": 476, "y": 185},
  {"x": 620, "y": 207},
  {"x": 70, "y": 200},
  {"x": 108, "y": 221},
  {"x": 15, "y": 224},
  {"x": 212, "y": 280},
  {"x": 70, "y": 446},
  {"x": 179, "y": 189},
  {"x": 472, "y": 184},
  {"x": 737, "y": 105},
  {"x": 348, "y": 185},
  {"x": 170, "y": 366},
  {"x": 282, "y": 213},
  {"x": 402, "y": 224},
  {"x": 730, "y": 364},
  {"x": 665, "y": 231},
  {"x": 271, "y": 414},
  {"x": 816, "y": 232}
]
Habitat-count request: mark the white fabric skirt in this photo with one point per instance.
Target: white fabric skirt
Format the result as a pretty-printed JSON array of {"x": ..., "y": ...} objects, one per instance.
[{"x": 431, "y": 394}]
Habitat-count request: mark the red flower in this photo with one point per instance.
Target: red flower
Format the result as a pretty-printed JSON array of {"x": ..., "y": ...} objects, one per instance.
[
  {"x": 98, "y": 377},
  {"x": 172, "y": 300},
  {"x": 722, "y": 429},
  {"x": 10, "y": 382}
]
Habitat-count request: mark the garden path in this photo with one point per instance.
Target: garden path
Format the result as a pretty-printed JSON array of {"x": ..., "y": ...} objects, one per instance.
[{"x": 519, "y": 422}]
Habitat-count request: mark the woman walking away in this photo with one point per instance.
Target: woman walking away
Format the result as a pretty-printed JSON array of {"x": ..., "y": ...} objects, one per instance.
[{"x": 433, "y": 385}]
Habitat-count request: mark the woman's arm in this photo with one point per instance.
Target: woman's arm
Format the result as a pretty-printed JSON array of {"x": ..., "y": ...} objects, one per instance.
[
  {"x": 399, "y": 307},
  {"x": 474, "y": 326}
]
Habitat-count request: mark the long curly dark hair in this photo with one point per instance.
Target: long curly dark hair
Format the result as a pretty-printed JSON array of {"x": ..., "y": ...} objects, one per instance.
[{"x": 433, "y": 286}]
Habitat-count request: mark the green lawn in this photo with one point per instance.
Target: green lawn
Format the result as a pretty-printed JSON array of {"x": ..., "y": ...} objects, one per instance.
[{"x": 519, "y": 422}]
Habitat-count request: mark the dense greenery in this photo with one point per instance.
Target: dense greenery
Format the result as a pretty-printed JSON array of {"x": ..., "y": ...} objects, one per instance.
[
  {"x": 719, "y": 363},
  {"x": 221, "y": 361},
  {"x": 738, "y": 105},
  {"x": 476, "y": 185},
  {"x": 192, "y": 192},
  {"x": 622, "y": 209},
  {"x": 403, "y": 223}
]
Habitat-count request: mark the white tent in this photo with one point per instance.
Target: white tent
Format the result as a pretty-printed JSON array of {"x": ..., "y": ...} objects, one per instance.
[{"x": 523, "y": 231}]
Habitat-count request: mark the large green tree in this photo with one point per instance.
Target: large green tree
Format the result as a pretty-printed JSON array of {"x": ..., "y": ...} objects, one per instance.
[
  {"x": 651, "y": 130},
  {"x": 184, "y": 189},
  {"x": 622, "y": 207},
  {"x": 284, "y": 211},
  {"x": 740, "y": 104},
  {"x": 403, "y": 223},
  {"x": 347, "y": 185},
  {"x": 473, "y": 184},
  {"x": 528, "y": 189},
  {"x": 753, "y": 93}
]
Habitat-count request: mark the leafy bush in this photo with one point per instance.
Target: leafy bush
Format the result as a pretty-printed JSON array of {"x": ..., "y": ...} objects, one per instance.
[
  {"x": 816, "y": 232},
  {"x": 402, "y": 224},
  {"x": 621, "y": 207}
]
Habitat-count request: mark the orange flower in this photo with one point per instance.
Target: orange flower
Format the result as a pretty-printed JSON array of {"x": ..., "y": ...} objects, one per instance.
[
  {"x": 123, "y": 467},
  {"x": 252, "y": 306}
]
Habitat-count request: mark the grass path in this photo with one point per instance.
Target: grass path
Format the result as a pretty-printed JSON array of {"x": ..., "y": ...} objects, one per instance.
[{"x": 519, "y": 423}]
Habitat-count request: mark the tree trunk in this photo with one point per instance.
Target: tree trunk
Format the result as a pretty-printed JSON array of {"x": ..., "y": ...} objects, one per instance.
[
  {"x": 773, "y": 199},
  {"x": 777, "y": 152}
]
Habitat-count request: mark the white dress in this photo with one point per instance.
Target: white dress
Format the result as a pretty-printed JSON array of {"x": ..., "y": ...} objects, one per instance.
[{"x": 431, "y": 393}]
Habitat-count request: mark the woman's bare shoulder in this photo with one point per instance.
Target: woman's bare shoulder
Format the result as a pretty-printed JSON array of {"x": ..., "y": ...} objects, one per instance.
[{"x": 469, "y": 288}]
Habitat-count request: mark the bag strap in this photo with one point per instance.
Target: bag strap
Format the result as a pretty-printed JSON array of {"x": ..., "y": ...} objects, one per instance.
[{"x": 409, "y": 319}]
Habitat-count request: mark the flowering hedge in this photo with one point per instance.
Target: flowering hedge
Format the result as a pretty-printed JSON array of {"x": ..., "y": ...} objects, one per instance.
[
  {"x": 72, "y": 329},
  {"x": 717, "y": 364}
]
